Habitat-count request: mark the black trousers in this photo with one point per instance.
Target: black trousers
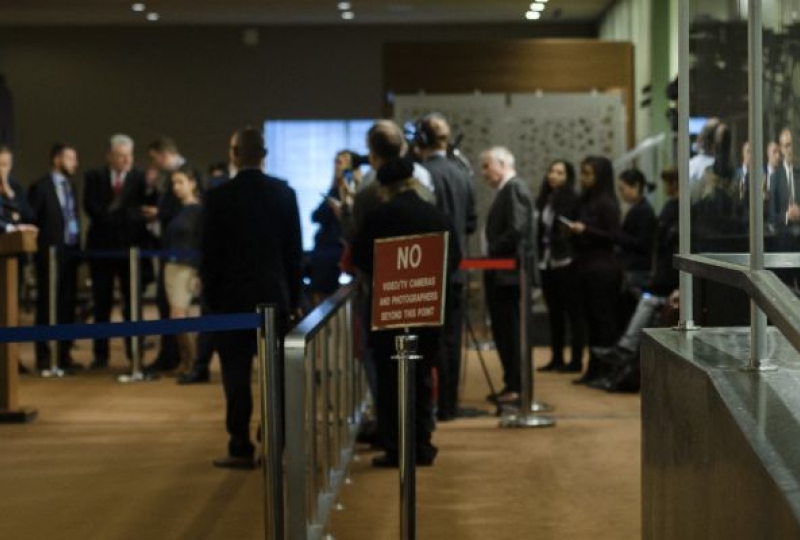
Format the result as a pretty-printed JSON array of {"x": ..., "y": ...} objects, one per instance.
[
  {"x": 600, "y": 288},
  {"x": 559, "y": 287},
  {"x": 449, "y": 366},
  {"x": 104, "y": 273},
  {"x": 236, "y": 351},
  {"x": 503, "y": 303},
  {"x": 66, "y": 299},
  {"x": 387, "y": 394}
]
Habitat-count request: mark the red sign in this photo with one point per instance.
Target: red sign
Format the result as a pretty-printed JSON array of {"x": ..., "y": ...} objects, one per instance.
[{"x": 408, "y": 281}]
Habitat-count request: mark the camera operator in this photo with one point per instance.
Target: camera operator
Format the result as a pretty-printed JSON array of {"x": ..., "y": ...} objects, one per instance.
[{"x": 455, "y": 197}]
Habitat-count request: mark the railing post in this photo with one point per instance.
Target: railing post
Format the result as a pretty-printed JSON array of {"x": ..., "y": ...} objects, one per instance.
[
  {"x": 271, "y": 413},
  {"x": 755, "y": 55},
  {"x": 52, "y": 313},
  {"x": 524, "y": 418},
  {"x": 684, "y": 223},
  {"x": 137, "y": 373}
]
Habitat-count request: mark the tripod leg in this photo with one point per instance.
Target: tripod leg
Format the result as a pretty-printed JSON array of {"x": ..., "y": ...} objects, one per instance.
[{"x": 475, "y": 342}]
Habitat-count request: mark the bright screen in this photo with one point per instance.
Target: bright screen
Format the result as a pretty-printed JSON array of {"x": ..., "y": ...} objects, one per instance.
[{"x": 302, "y": 152}]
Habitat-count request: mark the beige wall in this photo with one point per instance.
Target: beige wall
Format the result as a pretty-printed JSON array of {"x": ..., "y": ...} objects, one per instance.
[{"x": 197, "y": 84}]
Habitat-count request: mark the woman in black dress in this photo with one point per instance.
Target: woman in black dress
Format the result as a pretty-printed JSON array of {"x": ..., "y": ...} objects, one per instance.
[{"x": 558, "y": 200}]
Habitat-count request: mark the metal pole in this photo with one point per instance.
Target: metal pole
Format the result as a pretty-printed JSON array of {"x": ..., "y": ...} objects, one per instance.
[
  {"x": 523, "y": 417},
  {"x": 758, "y": 320},
  {"x": 406, "y": 347},
  {"x": 271, "y": 413},
  {"x": 135, "y": 294},
  {"x": 686, "y": 309},
  {"x": 52, "y": 316},
  {"x": 137, "y": 373}
]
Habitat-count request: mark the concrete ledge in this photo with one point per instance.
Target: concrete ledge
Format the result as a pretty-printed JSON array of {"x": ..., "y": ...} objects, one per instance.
[{"x": 720, "y": 446}]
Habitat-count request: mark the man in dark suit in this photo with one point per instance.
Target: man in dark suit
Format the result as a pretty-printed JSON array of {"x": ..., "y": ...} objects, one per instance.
[
  {"x": 251, "y": 254},
  {"x": 455, "y": 197},
  {"x": 783, "y": 210},
  {"x": 404, "y": 213},
  {"x": 508, "y": 236},
  {"x": 112, "y": 199},
  {"x": 55, "y": 213}
]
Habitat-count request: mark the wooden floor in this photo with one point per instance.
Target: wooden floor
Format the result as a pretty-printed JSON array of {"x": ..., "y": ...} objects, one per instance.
[{"x": 109, "y": 461}]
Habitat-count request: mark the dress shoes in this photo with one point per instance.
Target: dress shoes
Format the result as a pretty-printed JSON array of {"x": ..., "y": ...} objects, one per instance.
[
  {"x": 508, "y": 398},
  {"x": 243, "y": 463},
  {"x": 572, "y": 367},
  {"x": 492, "y": 398},
  {"x": 552, "y": 365},
  {"x": 194, "y": 377}
]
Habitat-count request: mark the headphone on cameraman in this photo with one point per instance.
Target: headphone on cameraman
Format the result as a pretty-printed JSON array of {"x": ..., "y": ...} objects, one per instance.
[{"x": 424, "y": 136}]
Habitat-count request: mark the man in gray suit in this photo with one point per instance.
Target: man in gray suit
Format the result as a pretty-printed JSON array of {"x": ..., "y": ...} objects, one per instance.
[{"x": 509, "y": 235}]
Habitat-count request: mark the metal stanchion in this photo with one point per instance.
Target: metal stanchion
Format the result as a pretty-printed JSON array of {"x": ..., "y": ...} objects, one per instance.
[
  {"x": 523, "y": 417},
  {"x": 406, "y": 347},
  {"x": 137, "y": 373},
  {"x": 271, "y": 413},
  {"x": 52, "y": 303}
]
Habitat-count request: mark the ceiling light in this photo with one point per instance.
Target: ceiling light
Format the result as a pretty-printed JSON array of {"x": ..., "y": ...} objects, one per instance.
[
  {"x": 344, "y": 6},
  {"x": 348, "y": 15},
  {"x": 138, "y": 7},
  {"x": 153, "y": 16},
  {"x": 537, "y": 6},
  {"x": 532, "y": 15}
]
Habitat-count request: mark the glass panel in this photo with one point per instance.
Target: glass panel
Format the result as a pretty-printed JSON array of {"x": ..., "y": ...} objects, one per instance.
[{"x": 718, "y": 126}]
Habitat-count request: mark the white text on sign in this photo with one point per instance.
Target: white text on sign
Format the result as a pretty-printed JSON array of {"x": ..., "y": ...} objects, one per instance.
[{"x": 409, "y": 255}]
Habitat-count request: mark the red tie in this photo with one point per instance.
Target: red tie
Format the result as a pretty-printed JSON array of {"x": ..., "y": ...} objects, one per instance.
[{"x": 117, "y": 184}]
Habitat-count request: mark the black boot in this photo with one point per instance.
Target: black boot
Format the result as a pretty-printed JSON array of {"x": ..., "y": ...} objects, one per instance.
[
  {"x": 556, "y": 364},
  {"x": 594, "y": 370}
]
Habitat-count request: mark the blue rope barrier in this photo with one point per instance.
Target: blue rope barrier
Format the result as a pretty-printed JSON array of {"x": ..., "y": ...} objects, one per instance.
[
  {"x": 209, "y": 323},
  {"x": 124, "y": 254}
]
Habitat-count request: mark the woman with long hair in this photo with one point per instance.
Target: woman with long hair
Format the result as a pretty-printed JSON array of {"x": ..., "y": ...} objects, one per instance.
[
  {"x": 557, "y": 201},
  {"x": 182, "y": 238},
  {"x": 635, "y": 238},
  {"x": 599, "y": 276}
]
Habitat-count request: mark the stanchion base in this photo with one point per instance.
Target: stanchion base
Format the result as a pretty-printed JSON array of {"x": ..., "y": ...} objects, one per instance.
[
  {"x": 23, "y": 415},
  {"x": 56, "y": 373},
  {"x": 141, "y": 376},
  {"x": 764, "y": 365},
  {"x": 529, "y": 421},
  {"x": 538, "y": 406}
]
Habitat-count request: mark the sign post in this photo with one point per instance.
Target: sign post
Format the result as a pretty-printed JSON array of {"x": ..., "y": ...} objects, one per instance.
[{"x": 408, "y": 290}]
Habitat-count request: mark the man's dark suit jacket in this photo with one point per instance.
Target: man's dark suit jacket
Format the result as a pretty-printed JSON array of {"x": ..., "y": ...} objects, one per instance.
[
  {"x": 779, "y": 197},
  {"x": 252, "y": 249},
  {"x": 455, "y": 195},
  {"x": 47, "y": 212},
  {"x": 114, "y": 223},
  {"x": 509, "y": 228}
]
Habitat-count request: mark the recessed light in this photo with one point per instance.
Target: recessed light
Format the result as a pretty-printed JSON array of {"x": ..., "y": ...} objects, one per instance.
[
  {"x": 138, "y": 7},
  {"x": 348, "y": 15},
  {"x": 532, "y": 15},
  {"x": 344, "y": 6},
  {"x": 153, "y": 16},
  {"x": 537, "y": 6}
]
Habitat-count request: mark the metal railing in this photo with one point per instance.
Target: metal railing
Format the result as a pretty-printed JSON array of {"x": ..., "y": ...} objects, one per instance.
[{"x": 325, "y": 401}]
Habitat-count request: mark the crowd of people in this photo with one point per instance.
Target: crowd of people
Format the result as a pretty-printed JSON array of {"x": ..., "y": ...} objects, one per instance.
[{"x": 234, "y": 240}]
